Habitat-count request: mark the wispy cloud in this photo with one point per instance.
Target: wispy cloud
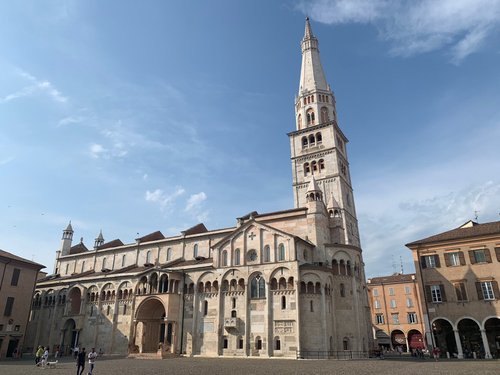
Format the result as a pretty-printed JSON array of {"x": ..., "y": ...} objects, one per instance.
[
  {"x": 195, "y": 200},
  {"x": 36, "y": 86},
  {"x": 419, "y": 26},
  {"x": 70, "y": 120},
  {"x": 194, "y": 206},
  {"x": 6, "y": 160},
  {"x": 163, "y": 199}
]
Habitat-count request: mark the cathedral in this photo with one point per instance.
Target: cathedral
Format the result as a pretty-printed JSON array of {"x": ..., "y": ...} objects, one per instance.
[{"x": 278, "y": 284}]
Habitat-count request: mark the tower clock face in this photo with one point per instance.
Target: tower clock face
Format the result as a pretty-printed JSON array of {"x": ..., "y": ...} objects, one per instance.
[{"x": 252, "y": 255}]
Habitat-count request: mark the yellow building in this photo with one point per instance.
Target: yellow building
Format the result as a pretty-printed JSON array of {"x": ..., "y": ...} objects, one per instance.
[
  {"x": 458, "y": 273},
  {"x": 396, "y": 312},
  {"x": 17, "y": 282}
]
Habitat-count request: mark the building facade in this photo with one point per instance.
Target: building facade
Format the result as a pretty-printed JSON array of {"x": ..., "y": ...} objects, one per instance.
[
  {"x": 459, "y": 272},
  {"x": 278, "y": 284},
  {"x": 396, "y": 312},
  {"x": 17, "y": 282}
]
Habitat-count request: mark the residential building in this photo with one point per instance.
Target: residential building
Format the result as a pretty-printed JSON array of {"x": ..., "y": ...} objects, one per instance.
[
  {"x": 278, "y": 284},
  {"x": 396, "y": 311},
  {"x": 458, "y": 272},
  {"x": 17, "y": 282}
]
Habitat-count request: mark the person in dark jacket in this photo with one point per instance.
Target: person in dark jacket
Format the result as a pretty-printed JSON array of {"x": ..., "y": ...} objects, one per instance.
[{"x": 80, "y": 361}]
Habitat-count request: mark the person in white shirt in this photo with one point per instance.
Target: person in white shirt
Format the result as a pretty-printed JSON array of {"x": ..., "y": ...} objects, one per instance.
[{"x": 92, "y": 356}]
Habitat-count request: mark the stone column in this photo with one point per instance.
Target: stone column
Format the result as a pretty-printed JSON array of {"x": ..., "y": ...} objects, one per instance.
[
  {"x": 323, "y": 319},
  {"x": 459, "y": 344},
  {"x": 407, "y": 344},
  {"x": 174, "y": 337},
  {"x": 268, "y": 321},
  {"x": 486, "y": 346},
  {"x": 297, "y": 309},
  {"x": 194, "y": 329},
  {"x": 220, "y": 321}
]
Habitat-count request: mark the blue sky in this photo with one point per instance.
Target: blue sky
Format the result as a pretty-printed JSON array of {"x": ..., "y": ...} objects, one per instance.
[{"x": 135, "y": 117}]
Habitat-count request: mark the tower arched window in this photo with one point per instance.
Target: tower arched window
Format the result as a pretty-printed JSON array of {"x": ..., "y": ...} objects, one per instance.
[
  {"x": 314, "y": 166},
  {"x": 324, "y": 115},
  {"x": 342, "y": 290},
  {"x": 123, "y": 260},
  {"x": 304, "y": 142},
  {"x": 321, "y": 164},
  {"x": 299, "y": 121},
  {"x": 237, "y": 257},
  {"x": 319, "y": 138},
  {"x": 310, "y": 116},
  {"x": 103, "y": 262},
  {"x": 169, "y": 254},
  {"x": 83, "y": 266},
  {"x": 311, "y": 140},
  {"x": 257, "y": 287},
  {"x": 281, "y": 252},
  {"x": 224, "y": 258},
  {"x": 307, "y": 169},
  {"x": 205, "y": 308},
  {"x": 283, "y": 302},
  {"x": 195, "y": 250},
  {"x": 148, "y": 257}
]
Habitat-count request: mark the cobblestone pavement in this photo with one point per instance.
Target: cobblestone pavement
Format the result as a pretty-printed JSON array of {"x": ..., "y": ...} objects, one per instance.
[{"x": 215, "y": 366}]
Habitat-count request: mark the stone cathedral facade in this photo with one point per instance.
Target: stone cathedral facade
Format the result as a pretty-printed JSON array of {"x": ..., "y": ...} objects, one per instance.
[{"x": 277, "y": 284}]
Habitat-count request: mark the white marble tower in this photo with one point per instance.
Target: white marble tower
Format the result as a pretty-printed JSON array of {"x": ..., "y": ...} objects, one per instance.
[{"x": 318, "y": 146}]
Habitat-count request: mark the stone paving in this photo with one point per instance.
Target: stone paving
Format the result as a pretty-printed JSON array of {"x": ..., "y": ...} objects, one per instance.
[{"x": 215, "y": 366}]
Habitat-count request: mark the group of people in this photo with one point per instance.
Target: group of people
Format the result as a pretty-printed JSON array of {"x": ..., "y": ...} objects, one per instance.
[
  {"x": 41, "y": 356},
  {"x": 82, "y": 357}
]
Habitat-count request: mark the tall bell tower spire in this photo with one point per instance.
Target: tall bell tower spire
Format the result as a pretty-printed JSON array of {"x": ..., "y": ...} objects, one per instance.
[{"x": 318, "y": 145}]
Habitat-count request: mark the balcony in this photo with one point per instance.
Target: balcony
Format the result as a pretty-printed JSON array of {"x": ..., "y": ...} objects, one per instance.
[{"x": 230, "y": 322}]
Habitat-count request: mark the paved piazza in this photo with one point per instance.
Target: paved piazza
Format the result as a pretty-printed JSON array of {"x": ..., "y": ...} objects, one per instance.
[{"x": 209, "y": 366}]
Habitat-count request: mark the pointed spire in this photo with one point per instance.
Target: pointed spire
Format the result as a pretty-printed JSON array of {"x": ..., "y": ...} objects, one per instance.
[
  {"x": 69, "y": 228},
  {"x": 99, "y": 241},
  {"x": 308, "y": 34},
  {"x": 332, "y": 202},
  {"x": 313, "y": 186},
  {"x": 312, "y": 76}
]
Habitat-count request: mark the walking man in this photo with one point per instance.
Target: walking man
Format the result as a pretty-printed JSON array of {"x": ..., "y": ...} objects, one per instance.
[
  {"x": 92, "y": 357},
  {"x": 80, "y": 361}
]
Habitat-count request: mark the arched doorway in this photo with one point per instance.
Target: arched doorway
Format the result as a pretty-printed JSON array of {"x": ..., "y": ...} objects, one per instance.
[
  {"x": 415, "y": 339},
  {"x": 150, "y": 326},
  {"x": 69, "y": 337},
  {"x": 444, "y": 336},
  {"x": 383, "y": 339},
  {"x": 470, "y": 336},
  {"x": 492, "y": 328},
  {"x": 398, "y": 339}
]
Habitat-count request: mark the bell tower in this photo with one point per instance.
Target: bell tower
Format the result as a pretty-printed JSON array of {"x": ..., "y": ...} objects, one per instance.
[{"x": 318, "y": 145}]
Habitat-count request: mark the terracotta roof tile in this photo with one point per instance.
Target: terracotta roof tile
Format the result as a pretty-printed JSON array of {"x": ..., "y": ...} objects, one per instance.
[
  {"x": 152, "y": 237},
  {"x": 475, "y": 230},
  {"x": 393, "y": 279},
  {"x": 6, "y": 254},
  {"x": 110, "y": 244}
]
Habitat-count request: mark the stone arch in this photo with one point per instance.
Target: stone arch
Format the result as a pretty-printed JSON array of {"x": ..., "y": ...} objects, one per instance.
[
  {"x": 151, "y": 328},
  {"x": 75, "y": 298},
  {"x": 444, "y": 337}
]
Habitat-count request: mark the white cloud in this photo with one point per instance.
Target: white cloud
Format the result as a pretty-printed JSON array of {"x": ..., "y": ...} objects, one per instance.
[
  {"x": 97, "y": 151},
  {"x": 163, "y": 199},
  {"x": 36, "y": 86},
  {"x": 70, "y": 120},
  {"x": 419, "y": 26},
  {"x": 195, "y": 200}
]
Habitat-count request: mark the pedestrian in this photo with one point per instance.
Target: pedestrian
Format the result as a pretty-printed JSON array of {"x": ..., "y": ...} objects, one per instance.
[
  {"x": 76, "y": 351},
  {"x": 45, "y": 356},
  {"x": 92, "y": 357},
  {"x": 80, "y": 361},
  {"x": 436, "y": 352},
  {"x": 38, "y": 355},
  {"x": 56, "y": 355}
]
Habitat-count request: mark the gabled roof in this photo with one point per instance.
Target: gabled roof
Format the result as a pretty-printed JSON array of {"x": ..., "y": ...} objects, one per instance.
[
  {"x": 470, "y": 229},
  {"x": 77, "y": 249},
  {"x": 197, "y": 229},
  {"x": 246, "y": 225},
  {"x": 393, "y": 279},
  {"x": 152, "y": 237},
  {"x": 110, "y": 244},
  {"x": 6, "y": 254}
]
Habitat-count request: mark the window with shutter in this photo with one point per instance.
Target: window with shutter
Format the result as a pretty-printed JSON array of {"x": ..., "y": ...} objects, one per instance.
[
  {"x": 479, "y": 291},
  {"x": 443, "y": 294},
  {"x": 460, "y": 292},
  {"x": 15, "y": 277},
  {"x": 462, "y": 258},
  {"x": 497, "y": 252},
  {"x": 436, "y": 293}
]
